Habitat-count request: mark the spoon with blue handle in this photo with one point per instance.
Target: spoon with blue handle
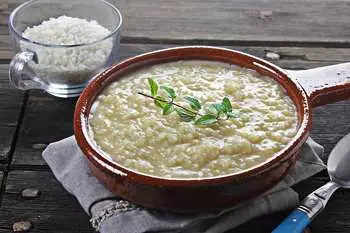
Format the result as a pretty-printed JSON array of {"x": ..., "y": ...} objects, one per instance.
[{"x": 338, "y": 167}]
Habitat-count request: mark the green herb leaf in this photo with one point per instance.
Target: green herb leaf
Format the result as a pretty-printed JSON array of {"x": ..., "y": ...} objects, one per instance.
[
  {"x": 194, "y": 103},
  {"x": 185, "y": 115},
  {"x": 227, "y": 105},
  {"x": 160, "y": 103},
  {"x": 206, "y": 120},
  {"x": 233, "y": 114},
  {"x": 216, "y": 109},
  {"x": 169, "y": 91},
  {"x": 215, "y": 112},
  {"x": 212, "y": 109},
  {"x": 168, "y": 108},
  {"x": 153, "y": 86}
]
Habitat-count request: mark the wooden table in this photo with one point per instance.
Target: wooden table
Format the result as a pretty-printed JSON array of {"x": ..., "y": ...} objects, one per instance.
[{"x": 305, "y": 34}]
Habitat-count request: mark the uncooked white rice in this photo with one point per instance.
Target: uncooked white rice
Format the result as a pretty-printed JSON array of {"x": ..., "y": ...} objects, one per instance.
[{"x": 62, "y": 65}]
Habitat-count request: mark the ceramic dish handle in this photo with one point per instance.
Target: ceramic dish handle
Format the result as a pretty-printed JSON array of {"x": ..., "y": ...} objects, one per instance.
[{"x": 325, "y": 84}]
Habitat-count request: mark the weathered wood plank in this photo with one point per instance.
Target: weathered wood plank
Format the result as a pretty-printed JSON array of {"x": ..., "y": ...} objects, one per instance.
[
  {"x": 327, "y": 130},
  {"x": 290, "y": 57},
  {"x": 57, "y": 211},
  {"x": 1, "y": 177},
  {"x": 238, "y": 20},
  {"x": 46, "y": 119},
  {"x": 318, "y": 21},
  {"x": 11, "y": 101},
  {"x": 54, "y": 211},
  {"x": 2, "y": 185},
  {"x": 5, "y": 47},
  {"x": 38, "y": 128}
]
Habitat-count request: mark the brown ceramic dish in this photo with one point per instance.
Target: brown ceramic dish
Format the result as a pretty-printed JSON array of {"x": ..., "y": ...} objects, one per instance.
[{"x": 307, "y": 89}]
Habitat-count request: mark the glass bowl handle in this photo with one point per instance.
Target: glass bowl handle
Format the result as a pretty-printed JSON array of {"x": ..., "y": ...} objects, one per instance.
[{"x": 22, "y": 76}]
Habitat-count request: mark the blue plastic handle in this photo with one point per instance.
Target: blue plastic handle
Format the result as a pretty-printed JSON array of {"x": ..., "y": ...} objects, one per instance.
[{"x": 294, "y": 223}]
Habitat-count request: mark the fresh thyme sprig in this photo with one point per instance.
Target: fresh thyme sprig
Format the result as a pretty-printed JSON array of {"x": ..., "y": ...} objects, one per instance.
[
  {"x": 166, "y": 105},
  {"x": 215, "y": 112}
]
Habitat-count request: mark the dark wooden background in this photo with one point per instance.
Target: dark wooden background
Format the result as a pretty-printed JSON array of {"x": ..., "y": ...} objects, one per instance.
[{"x": 305, "y": 34}]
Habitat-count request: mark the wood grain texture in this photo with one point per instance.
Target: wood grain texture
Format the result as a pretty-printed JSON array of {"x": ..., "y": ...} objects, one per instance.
[
  {"x": 331, "y": 123},
  {"x": 254, "y": 21},
  {"x": 46, "y": 119},
  {"x": 11, "y": 101},
  {"x": 6, "y": 51},
  {"x": 54, "y": 211},
  {"x": 288, "y": 55},
  {"x": 55, "y": 206},
  {"x": 1, "y": 177},
  {"x": 57, "y": 211},
  {"x": 2, "y": 185}
]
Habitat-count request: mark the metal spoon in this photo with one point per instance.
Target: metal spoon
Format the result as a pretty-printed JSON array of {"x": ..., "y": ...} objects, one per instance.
[{"x": 338, "y": 167}]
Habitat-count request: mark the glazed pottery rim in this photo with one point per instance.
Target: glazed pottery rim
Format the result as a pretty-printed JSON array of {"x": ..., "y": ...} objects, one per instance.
[{"x": 99, "y": 158}]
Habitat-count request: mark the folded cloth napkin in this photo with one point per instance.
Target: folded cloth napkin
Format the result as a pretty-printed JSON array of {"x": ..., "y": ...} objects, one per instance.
[{"x": 110, "y": 214}]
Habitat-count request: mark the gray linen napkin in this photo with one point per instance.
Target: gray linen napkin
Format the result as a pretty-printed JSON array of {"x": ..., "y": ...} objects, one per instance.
[{"x": 110, "y": 214}]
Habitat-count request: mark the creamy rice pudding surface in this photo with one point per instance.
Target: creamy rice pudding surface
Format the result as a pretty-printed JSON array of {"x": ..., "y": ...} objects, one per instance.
[{"x": 132, "y": 130}]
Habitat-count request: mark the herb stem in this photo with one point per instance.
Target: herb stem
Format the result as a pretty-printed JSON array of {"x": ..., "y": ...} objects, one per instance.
[{"x": 171, "y": 102}]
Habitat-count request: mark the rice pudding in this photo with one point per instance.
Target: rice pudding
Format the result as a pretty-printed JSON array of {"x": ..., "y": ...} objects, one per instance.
[{"x": 134, "y": 133}]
